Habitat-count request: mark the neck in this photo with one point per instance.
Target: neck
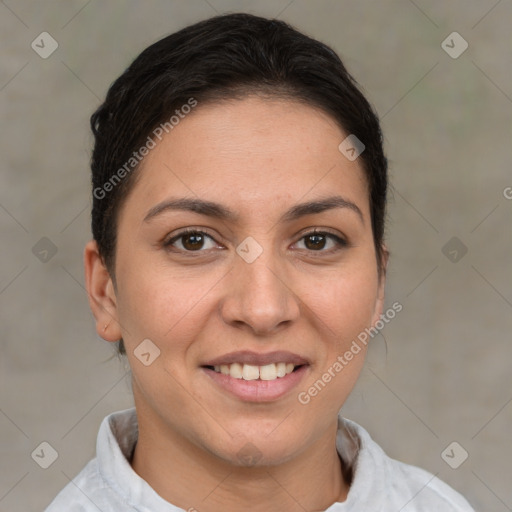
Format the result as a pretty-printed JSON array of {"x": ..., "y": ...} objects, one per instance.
[{"x": 192, "y": 478}]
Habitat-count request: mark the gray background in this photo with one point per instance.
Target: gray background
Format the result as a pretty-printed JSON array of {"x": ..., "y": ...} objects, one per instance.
[{"x": 446, "y": 375}]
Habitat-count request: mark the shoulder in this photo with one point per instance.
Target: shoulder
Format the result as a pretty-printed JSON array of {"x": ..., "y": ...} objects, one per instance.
[
  {"x": 389, "y": 482},
  {"x": 86, "y": 492},
  {"x": 103, "y": 482},
  {"x": 420, "y": 490}
]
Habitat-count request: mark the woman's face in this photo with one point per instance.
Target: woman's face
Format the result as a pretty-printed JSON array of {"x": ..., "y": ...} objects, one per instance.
[{"x": 256, "y": 287}]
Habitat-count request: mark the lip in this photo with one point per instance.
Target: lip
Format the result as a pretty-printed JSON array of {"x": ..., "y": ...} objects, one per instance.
[
  {"x": 258, "y": 359},
  {"x": 258, "y": 390}
]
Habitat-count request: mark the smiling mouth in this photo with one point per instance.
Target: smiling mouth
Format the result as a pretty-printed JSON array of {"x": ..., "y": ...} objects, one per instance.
[{"x": 268, "y": 372}]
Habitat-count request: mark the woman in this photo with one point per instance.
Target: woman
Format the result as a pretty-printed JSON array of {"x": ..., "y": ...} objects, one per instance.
[{"x": 239, "y": 193}]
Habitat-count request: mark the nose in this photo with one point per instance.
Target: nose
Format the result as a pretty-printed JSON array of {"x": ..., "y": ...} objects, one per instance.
[{"x": 259, "y": 297}]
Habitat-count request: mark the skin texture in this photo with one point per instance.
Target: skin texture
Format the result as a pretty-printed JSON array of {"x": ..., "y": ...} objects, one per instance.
[{"x": 258, "y": 157}]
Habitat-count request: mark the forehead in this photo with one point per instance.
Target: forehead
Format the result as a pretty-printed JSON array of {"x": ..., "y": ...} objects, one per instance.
[{"x": 251, "y": 152}]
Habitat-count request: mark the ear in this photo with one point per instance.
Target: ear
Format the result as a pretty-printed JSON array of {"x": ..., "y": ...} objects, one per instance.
[
  {"x": 379, "y": 304},
  {"x": 102, "y": 297}
]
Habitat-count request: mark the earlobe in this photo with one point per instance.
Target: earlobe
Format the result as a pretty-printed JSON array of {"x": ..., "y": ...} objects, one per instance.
[
  {"x": 379, "y": 307},
  {"x": 101, "y": 293}
]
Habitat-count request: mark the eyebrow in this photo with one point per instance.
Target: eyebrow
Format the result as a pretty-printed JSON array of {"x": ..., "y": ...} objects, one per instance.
[{"x": 218, "y": 211}]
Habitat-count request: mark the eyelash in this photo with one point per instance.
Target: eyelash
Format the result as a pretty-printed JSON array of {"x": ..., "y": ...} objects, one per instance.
[{"x": 340, "y": 242}]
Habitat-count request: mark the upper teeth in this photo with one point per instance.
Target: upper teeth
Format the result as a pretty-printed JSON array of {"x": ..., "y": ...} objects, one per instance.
[{"x": 251, "y": 372}]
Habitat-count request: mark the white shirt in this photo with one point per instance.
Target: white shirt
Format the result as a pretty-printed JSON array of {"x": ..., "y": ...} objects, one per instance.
[{"x": 380, "y": 484}]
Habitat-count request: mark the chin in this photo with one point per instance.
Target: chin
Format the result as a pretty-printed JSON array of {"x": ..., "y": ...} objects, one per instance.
[{"x": 258, "y": 450}]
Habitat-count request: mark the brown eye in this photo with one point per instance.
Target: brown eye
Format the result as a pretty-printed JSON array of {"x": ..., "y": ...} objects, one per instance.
[
  {"x": 323, "y": 242},
  {"x": 315, "y": 242},
  {"x": 191, "y": 241}
]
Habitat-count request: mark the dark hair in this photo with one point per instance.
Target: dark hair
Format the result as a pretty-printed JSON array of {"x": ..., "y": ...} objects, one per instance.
[{"x": 222, "y": 58}]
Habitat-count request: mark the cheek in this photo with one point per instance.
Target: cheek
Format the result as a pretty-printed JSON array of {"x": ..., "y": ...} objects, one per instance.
[
  {"x": 344, "y": 304},
  {"x": 144, "y": 307},
  {"x": 154, "y": 303},
  {"x": 344, "y": 301}
]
